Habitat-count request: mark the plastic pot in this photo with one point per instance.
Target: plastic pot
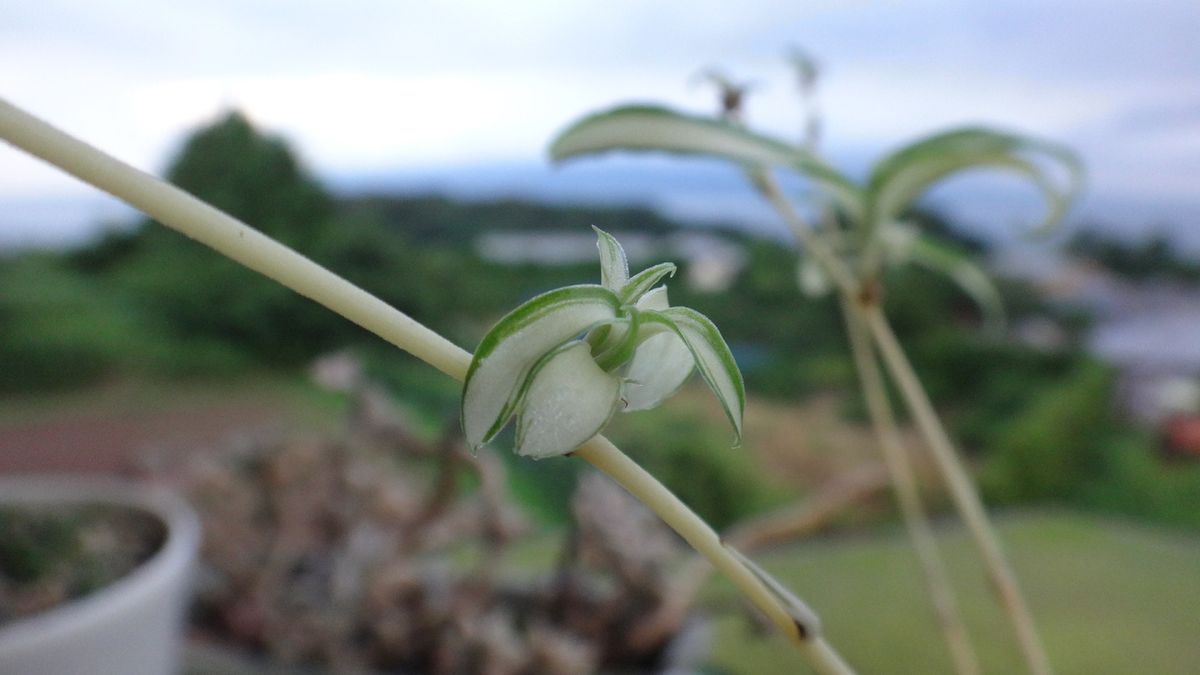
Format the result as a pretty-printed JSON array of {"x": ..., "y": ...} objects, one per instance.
[{"x": 133, "y": 626}]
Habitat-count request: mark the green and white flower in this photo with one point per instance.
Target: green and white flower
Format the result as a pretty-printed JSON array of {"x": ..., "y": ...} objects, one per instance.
[{"x": 567, "y": 360}]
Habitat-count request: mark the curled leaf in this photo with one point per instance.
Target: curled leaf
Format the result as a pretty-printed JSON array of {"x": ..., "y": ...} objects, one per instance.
[
  {"x": 712, "y": 357},
  {"x": 507, "y": 353},
  {"x": 903, "y": 176},
  {"x": 651, "y": 128},
  {"x": 643, "y": 281}
]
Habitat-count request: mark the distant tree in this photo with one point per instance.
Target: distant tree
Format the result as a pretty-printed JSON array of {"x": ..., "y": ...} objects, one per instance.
[
  {"x": 203, "y": 298},
  {"x": 254, "y": 177}
]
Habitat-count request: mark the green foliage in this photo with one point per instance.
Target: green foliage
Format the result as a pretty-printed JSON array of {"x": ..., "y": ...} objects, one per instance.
[
  {"x": 58, "y": 330},
  {"x": 434, "y": 219},
  {"x": 792, "y": 346},
  {"x": 254, "y": 177},
  {"x": 544, "y": 488},
  {"x": 35, "y": 544},
  {"x": 1046, "y": 453},
  {"x": 1137, "y": 586},
  {"x": 689, "y": 452},
  {"x": 1133, "y": 480},
  {"x": 195, "y": 295}
]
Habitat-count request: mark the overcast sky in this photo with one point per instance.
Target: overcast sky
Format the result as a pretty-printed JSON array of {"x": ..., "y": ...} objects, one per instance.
[{"x": 360, "y": 86}]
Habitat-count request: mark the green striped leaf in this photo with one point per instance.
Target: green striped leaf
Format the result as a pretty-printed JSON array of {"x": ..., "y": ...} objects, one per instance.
[
  {"x": 651, "y": 128},
  {"x": 903, "y": 176},
  {"x": 643, "y": 281},
  {"x": 568, "y": 401},
  {"x": 515, "y": 344},
  {"x": 712, "y": 358}
]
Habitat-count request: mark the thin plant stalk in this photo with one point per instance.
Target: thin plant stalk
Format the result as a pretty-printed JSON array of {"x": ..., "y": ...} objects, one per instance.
[
  {"x": 804, "y": 631},
  {"x": 916, "y": 519},
  {"x": 962, "y": 489},
  {"x": 839, "y": 272},
  {"x": 229, "y": 236},
  {"x": 908, "y": 497}
]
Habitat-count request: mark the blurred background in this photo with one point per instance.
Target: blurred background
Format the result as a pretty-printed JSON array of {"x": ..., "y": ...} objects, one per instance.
[{"x": 402, "y": 145}]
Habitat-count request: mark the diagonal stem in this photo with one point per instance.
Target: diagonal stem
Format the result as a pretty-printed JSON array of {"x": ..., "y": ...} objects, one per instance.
[
  {"x": 962, "y": 490},
  {"x": 804, "y": 233},
  {"x": 229, "y": 236},
  {"x": 908, "y": 497}
]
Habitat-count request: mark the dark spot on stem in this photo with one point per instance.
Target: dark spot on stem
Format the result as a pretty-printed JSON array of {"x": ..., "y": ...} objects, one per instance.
[{"x": 870, "y": 293}]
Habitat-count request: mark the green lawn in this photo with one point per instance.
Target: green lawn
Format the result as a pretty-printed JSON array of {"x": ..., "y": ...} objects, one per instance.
[{"x": 1109, "y": 597}]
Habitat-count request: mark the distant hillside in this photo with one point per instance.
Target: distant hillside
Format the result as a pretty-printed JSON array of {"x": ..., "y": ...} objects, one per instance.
[{"x": 435, "y": 218}]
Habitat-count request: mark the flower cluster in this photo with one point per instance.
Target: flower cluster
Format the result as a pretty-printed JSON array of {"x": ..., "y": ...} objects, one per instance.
[{"x": 564, "y": 362}]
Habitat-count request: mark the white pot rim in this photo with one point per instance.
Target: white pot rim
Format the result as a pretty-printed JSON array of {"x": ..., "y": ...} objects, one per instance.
[{"x": 174, "y": 556}]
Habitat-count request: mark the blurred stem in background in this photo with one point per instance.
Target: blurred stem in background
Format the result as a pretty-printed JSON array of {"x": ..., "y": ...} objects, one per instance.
[
  {"x": 900, "y": 469},
  {"x": 866, "y": 323},
  {"x": 962, "y": 488},
  {"x": 908, "y": 496}
]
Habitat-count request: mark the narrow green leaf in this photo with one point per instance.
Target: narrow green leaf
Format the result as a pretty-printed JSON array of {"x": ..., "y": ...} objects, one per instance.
[
  {"x": 903, "y": 176},
  {"x": 515, "y": 344},
  {"x": 568, "y": 401},
  {"x": 712, "y": 357},
  {"x": 929, "y": 253},
  {"x": 651, "y": 128},
  {"x": 660, "y": 366},
  {"x": 643, "y": 281},
  {"x": 614, "y": 266}
]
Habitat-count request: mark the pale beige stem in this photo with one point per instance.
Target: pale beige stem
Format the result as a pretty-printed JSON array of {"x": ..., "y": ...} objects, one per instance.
[
  {"x": 804, "y": 631},
  {"x": 229, "y": 236},
  {"x": 784, "y": 525},
  {"x": 962, "y": 490},
  {"x": 827, "y": 258},
  {"x": 908, "y": 496}
]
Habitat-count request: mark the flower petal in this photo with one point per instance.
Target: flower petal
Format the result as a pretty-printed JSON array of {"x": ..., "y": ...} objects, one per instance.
[
  {"x": 516, "y": 343},
  {"x": 569, "y": 400},
  {"x": 654, "y": 299},
  {"x": 659, "y": 368},
  {"x": 713, "y": 358}
]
